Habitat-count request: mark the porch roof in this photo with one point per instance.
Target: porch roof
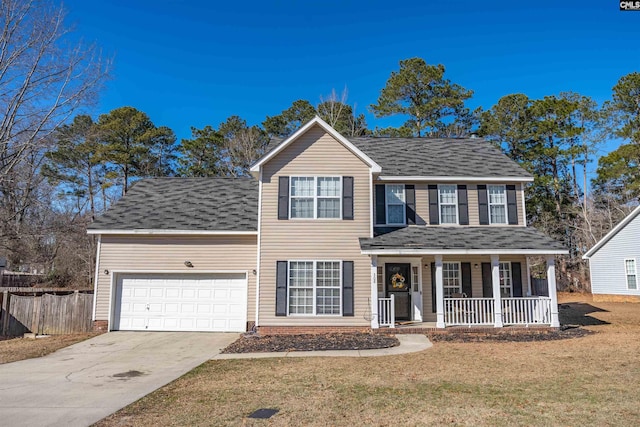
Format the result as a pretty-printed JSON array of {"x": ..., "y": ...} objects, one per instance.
[{"x": 483, "y": 240}]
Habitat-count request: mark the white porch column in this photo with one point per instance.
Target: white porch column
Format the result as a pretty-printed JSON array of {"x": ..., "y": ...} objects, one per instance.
[
  {"x": 529, "y": 290},
  {"x": 495, "y": 282},
  {"x": 374, "y": 292},
  {"x": 439, "y": 293},
  {"x": 551, "y": 284}
]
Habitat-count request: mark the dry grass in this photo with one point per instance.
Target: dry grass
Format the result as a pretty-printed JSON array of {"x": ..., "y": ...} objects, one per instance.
[
  {"x": 14, "y": 349},
  {"x": 585, "y": 381}
]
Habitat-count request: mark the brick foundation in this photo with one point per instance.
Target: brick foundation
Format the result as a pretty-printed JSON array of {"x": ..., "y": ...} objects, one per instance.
[
  {"x": 296, "y": 330},
  {"x": 615, "y": 298},
  {"x": 101, "y": 325}
]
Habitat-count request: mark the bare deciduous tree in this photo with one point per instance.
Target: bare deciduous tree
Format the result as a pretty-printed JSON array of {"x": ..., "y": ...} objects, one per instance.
[
  {"x": 45, "y": 76},
  {"x": 43, "y": 80}
]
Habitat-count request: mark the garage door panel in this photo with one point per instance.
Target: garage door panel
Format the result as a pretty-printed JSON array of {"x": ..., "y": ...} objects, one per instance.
[
  {"x": 155, "y": 308},
  {"x": 140, "y": 292},
  {"x": 204, "y": 308},
  {"x": 174, "y": 303},
  {"x": 172, "y": 292},
  {"x": 204, "y": 293}
]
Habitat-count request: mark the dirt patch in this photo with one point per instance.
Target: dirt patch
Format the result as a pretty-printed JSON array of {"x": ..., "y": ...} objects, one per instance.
[{"x": 253, "y": 343}]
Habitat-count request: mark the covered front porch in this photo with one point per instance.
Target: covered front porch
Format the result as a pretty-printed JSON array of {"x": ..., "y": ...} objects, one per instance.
[{"x": 469, "y": 287}]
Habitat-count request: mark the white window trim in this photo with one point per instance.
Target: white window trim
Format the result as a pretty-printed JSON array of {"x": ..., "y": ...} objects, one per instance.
[
  {"x": 459, "y": 264},
  {"x": 316, "y": 197},
  {"x": 506, "y": 207},
  {"x": 626, "y": 275},
  {"x": 448, "y": 204},
  {"x": 510, "y": 279},
  {"x": 404, "y": 206},
  {"x": 315, "y": 272}
]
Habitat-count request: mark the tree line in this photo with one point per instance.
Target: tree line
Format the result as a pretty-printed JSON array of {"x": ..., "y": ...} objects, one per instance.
[{"x": 60, "y": 168}]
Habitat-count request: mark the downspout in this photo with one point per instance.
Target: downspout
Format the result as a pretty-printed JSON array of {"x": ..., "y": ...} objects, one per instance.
[
  {"x": 258, "y": 250},
  {"x": 95, "y": 282}
]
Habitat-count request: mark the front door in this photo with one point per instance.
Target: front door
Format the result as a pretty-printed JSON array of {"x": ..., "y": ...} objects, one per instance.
[{"x": 398, "y": 284}]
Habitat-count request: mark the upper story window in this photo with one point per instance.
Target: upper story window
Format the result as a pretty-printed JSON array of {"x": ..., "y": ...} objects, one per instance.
[
  {"x": 497, "y": 198},
  {"x": 395, "y": 204},
  {"x": 315, "y": 197},
  {"x": 630, "y": 272},
  {"x": 448, "y": 201}
]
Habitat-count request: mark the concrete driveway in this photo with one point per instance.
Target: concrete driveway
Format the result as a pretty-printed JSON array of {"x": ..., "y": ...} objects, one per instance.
[{"x": 83, "y": 383}]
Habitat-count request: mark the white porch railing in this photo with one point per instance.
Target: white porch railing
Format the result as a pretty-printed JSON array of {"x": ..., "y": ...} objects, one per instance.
[
  {"x": 515, "y": 311},
  {"x": 387, "y": 312},
  {"x": 526, "y": 311},
  {"x": 468, "y": 311}
]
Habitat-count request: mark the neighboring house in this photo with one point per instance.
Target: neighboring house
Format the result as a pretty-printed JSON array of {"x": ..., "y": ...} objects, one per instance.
[
  {"x": 331, "y": 234},
  {"x": 613, "y": 262}
]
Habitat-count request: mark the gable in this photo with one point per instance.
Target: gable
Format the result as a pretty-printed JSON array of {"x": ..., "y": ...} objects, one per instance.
[
  {"x": 316, "y": 122},
  {"x": 627, "y": 230},
  {"x": 315, "y": 152}
]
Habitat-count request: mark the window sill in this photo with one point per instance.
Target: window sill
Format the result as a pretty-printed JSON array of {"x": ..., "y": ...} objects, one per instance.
[{"x": 315, "y": 316}]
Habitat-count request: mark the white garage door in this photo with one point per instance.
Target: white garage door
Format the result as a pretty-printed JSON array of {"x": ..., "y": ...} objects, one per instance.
[{"x": 181, "y": 303}]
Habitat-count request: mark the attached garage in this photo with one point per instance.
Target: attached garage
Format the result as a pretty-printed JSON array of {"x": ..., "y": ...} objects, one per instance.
[{"x": 180, "y": 302}]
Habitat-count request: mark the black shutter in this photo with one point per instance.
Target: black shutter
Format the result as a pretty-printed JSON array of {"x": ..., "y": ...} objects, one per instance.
[
  {"x": 516, "y": 276},
  {"x": 434, "y": 214},
  {"x": 381, "y": 216},
  {"x": 483, "y": 205},
  {"x": 433, "y": 287},
  {"x": 283, "y": 197},
  {"x": 463, "y": 206},
  {"x": 347, "y": 288},
  {"x": 281, "y": 288},
  {"x": 487, "y": 280},
  {"x": 410, "y": 197},
  {"x": 512, "y": 205},
  {"x": 347, "y": 197},
  {"x": 466, "y": 278}
]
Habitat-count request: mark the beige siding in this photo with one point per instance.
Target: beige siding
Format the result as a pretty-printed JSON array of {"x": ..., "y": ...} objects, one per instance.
[
  {"x": 422, "y": 201},
  {"x": 167, "y": 253},
  {"x": 476, "y": 277},
  {"x": 472, "y": 200},
  {"x": 314, "y": 153},
  {"x": 422, "y": 204},
  {"x": 520, "y": 201}
]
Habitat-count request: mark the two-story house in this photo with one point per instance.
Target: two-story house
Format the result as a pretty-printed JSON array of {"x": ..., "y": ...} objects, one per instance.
[{"x": 331, "y": 234}]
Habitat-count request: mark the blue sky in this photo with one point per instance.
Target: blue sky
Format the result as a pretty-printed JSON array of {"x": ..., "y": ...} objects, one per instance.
[{"x": 194, "y": 63}]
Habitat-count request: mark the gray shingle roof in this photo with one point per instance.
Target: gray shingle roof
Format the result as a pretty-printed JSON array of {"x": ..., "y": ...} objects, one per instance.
[
  {"x": 463, "y": 238},
  {"x": 468, "y": 157},
  {"x": 194, "y": 204},
  {"x": 459, "y": 157}
]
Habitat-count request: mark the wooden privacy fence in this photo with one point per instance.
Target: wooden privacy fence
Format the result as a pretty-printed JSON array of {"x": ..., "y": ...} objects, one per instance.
[
  {"x": 15, "y": 279},
  {"x": 539, "y": 287},
  {"x": 45, "y": 313}
]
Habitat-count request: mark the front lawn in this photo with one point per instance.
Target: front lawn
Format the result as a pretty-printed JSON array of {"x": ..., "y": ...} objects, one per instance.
[
  {"x": 591, "y": 380},
  {"x": 14, "y": 349}
]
